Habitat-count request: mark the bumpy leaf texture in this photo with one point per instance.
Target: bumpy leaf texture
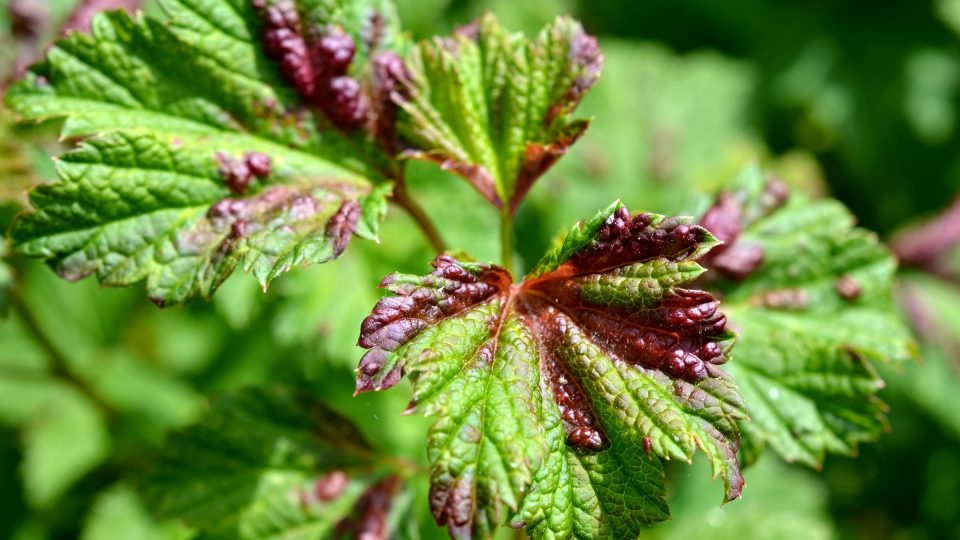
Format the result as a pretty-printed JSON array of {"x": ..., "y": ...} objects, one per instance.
[
  {"x": 809, "y": 296},
  {"x": 556, "y": 396},
  {"x": 203, "y": 151},
  {"x": 497, "y": 108},
  {"x": 274, "y": 464}
]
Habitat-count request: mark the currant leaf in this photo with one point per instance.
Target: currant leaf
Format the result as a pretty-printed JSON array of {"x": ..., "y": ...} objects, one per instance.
[
  {"x": 183, "y": 230},
  {"x": 495, "y": 107},
  {"x": 810, "y": 298},
  {"x": 274, "y": 464},
  {"x": 159, "y": 101},
  {"x": 556, "y": 396}
]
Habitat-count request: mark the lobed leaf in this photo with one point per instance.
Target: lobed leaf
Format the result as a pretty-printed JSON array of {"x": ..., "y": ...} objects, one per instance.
[
  {"x": 810, "y": 298},
  {"x": 131, "y": 206},
  {"x": 556, "y": 396},
  {"x": 496, "y": 108},
  {"x": 273, "y": 464},
  {"x": 174, "y": 108}
]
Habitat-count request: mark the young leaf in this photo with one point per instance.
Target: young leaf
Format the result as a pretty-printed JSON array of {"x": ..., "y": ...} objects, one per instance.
[
  {"x": 272, "y": 464},
  {"x": 207, "y": 153},
  {"x": 809, "y": 296},
  {"x": 567, "y": 386},
  {"x": 495, "y": 107}
]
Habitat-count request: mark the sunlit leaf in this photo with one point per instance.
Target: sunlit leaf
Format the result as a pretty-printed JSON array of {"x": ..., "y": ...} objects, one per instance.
[
  {"x": 555, "y": 397},
  {"x": 203, "y": 152},
  {"x": 497, "y": 108}
]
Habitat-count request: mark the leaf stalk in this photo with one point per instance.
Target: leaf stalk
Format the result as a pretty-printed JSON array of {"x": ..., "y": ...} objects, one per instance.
[
  {"x": 506, "y": 239},
  {"x": 401, "y": 197}
]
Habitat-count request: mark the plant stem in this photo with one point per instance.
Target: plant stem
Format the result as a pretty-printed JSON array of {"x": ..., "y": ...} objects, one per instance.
[
  {"x": 506, "y": 239},
  {"x": 401, "y": 197}
]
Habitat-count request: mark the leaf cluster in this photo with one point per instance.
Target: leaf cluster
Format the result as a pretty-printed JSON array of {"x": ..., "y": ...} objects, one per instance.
[{"x": 265, "y": 135}]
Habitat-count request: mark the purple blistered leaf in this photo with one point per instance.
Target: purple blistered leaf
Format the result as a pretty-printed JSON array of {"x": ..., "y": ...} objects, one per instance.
[
  {"x": 235, "y": 173},
  {"x": 332, "y": 53},
  {"x": 284, "y": 42},
  {"x": 611, "y": 303},
  {"x": 344, "y": 102},
  {"x": 728, "y": 217},
  {"x": 260, "y": 165}
]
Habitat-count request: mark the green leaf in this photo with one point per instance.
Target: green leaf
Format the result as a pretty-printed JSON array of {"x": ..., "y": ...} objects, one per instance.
[
  {"x": 62, "y": 442},
  {"x": 609, "y": 494},
  {"x": 182, "y": 231},
  {"x": 495, "y": 107},
  {"x": 555, "y": 397},
  {"x": 768, "y": 511},
  {"x": 811, "y": 314},
  {"x": 174, "y": 107},
  {"x": 119, "y": 513},
  {"x": 272, "y": 464}
]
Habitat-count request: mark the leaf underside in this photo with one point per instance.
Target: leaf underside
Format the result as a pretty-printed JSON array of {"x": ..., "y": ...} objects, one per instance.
[
  {"x": 173, "y": 114},
  {"x": 810, "y": 298},
  {"x": 556, "y": 397}
]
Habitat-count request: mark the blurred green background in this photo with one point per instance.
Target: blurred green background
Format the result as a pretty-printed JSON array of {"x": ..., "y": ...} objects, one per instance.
[{"x": 855, "y": 99}]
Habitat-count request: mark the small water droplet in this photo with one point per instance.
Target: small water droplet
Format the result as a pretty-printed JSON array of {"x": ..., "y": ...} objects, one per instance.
[{"x": 774, "y": 393}]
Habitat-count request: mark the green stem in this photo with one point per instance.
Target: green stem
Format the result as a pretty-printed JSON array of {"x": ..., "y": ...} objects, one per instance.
[
  {"x": 401, "y": 197},
  {"x": 506, "y": 239}
]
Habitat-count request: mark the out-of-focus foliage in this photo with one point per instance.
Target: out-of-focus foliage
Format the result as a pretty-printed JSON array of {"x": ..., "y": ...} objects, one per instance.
[
  {"x": 931, "y": 303},
  {"x": 813, "y": 318},
  {"x": 854, "y": 98},
  {"x": 269, "y": 463},
  {"x": 15, "y": 167},
  {"x": 800, "y": 510}
]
